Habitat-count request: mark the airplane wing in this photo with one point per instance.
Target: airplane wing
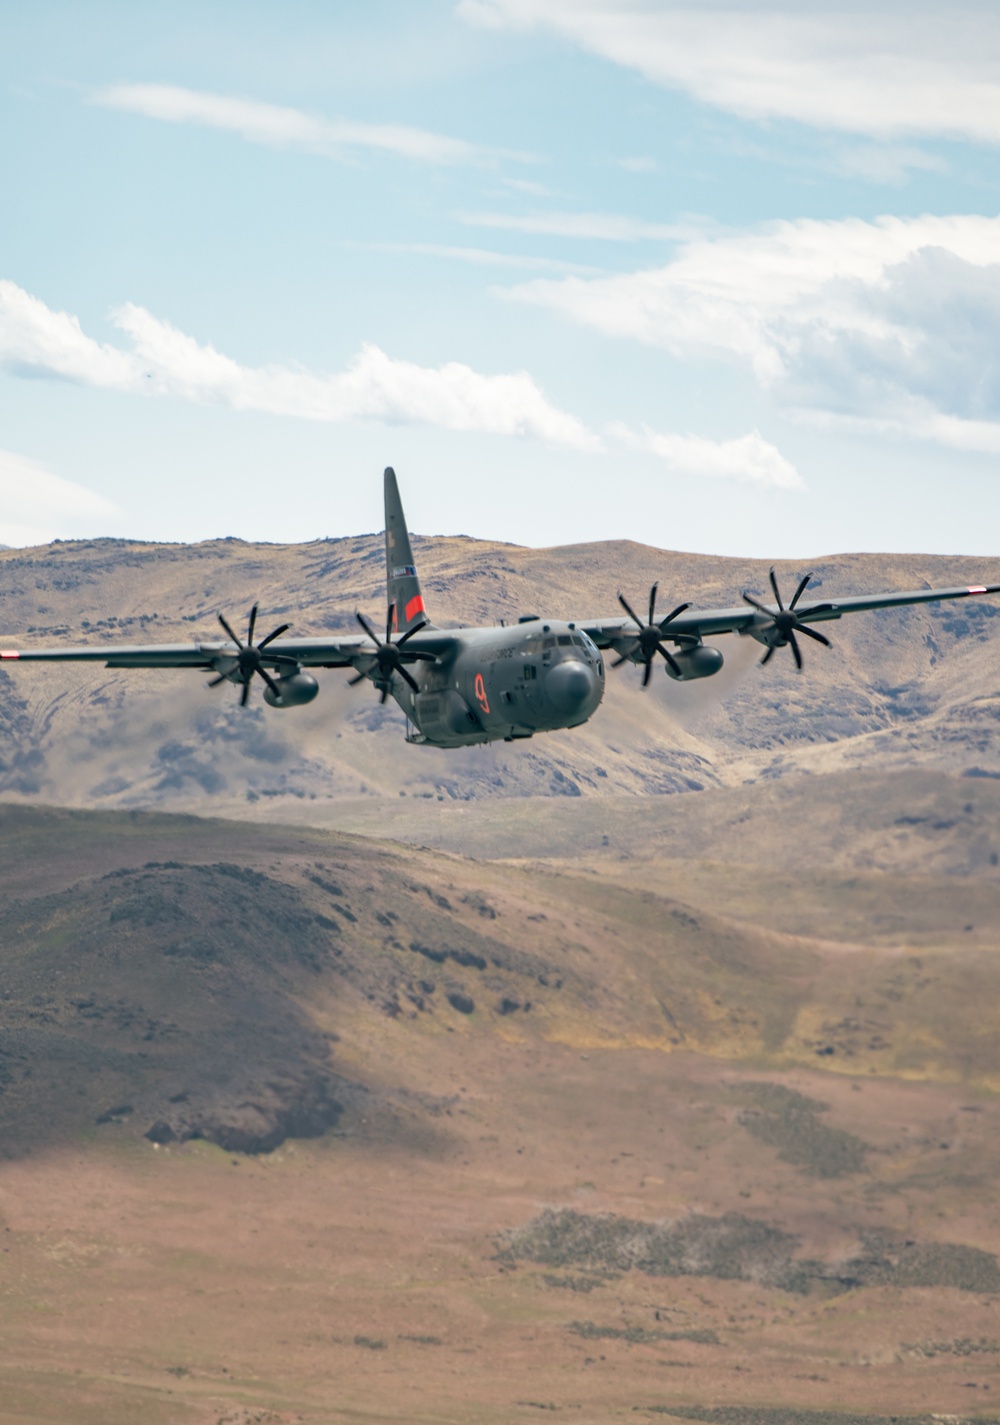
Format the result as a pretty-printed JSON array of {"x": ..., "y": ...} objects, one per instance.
[
  {"x": 748, "y": 618},
  {"x": 343, "y": 652},
  {"x": 308, "y": 652}
]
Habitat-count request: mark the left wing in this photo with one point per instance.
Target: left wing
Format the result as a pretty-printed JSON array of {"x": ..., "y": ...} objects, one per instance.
[{"x": 757, "y": 617}]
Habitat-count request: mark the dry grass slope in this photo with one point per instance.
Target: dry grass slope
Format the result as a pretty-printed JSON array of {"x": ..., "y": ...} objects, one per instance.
[
  {"x": 911, "y": 687},
  {"x": 301, "y": 1123}
]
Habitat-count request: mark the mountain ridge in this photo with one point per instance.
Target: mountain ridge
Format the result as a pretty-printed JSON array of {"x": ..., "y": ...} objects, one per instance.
[{"x": 912, "y": 686}]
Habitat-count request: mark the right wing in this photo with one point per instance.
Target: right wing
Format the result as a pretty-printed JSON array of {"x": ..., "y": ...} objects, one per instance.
[{"x": 220, "y": 656}]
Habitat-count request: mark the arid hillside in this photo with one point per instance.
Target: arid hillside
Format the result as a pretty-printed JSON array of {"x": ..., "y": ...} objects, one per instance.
[
  {"x": 402, "y": 1085},
  {"x": 672, "y": 1124},
  {"x": 901, "y": 688}
]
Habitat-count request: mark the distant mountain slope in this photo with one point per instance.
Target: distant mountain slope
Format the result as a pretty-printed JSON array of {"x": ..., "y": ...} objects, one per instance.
[
  {"x": 906, "y": 687},
  {"x": 189, "y": 978}
]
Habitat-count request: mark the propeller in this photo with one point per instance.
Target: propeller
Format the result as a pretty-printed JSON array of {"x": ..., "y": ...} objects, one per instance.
[
  {"x": 649, "y": 641},
  {"x": 391, "y": 657},
  {"x": 249, "y": 661},
  {"x": 786, "y": 622}
]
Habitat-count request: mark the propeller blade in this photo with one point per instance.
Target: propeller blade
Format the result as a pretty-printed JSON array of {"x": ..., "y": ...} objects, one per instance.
[
  {"x": 282, "y": 628},
  {"x": 652, "y": 601},
  {"x": 629, "y": 610},
  {"x": 647, "y": 672},
  {"x": 408, "y": 679},
  {"x": 216, "y": 681},
  {"x": 368, "y": 629},
  {"x": 353, "y": 682},
  {"x": 230, "y": 632},
  {"x": 253, "y": 625},
  {"x": 671, "y": 616},
  {"x": 796, "y": 652},
  {"x": 624, "y": 657},
  {"x": 385, "y": 694},
  {"x": 800, "y": 591},
  {"x": 245, "y": 693},
  {"x": 811, "y": 633},
  {"x": 756, "y": 604},
  {"x": 767, "y": 656},
  {"x": 672, "y": 663},
  {"x": 774, "y": 586},
  {"x": 408, "y": 634},
  {"x": 388, "y": 623},
  {"x": 270, "y": 682}
]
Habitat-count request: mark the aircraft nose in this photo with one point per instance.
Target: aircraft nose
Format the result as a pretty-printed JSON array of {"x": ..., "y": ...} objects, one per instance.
[{"x": 570, "y": 685}]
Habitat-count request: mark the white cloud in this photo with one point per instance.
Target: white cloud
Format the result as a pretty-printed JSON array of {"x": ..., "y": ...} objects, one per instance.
[
  {"x": 528, "y": 185},
  {"x": 894, "y": 322},
  {"x": 481, "y": 257},
  {"x": 609, "y": 227},
  {"x": 882, "y": 68},
  {"x": 748, "y": 458},
  {"x": 37, "y": 506},
  {"x": 885, "y": 163},
  {"x": 163, "y": 361},
  {"x": 638, "y": 165},
  {"x": 281, "y": 127}
]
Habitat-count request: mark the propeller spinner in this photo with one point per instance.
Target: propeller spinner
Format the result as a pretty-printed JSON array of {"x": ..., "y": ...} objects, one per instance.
[
  {"x": 786, "y": 622},
  {"x": 249, "y": 659},
  {"x": 390, "y": 657},
  {"x": 649, "y": 641}
]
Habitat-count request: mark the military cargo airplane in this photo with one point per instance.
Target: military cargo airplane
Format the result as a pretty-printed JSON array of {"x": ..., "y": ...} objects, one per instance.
[{"x": 459, "y": 686}]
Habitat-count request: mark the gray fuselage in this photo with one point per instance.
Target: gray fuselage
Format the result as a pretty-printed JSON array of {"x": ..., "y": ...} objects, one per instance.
[{"x": 489, "y": 684}]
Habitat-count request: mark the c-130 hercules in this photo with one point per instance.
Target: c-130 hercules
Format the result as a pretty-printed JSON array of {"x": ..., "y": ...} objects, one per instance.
[{"x": 472, "y": 685}]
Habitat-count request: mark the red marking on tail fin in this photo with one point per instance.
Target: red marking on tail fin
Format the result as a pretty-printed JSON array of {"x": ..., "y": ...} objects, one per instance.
[{"x": 415, "y": 606}]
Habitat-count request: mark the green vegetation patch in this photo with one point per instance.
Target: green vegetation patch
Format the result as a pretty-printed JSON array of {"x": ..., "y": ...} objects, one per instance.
[
  {"x": 767, "y": 1415},
  {"x": 790, "y": 1122},
  {"x": 960, "y": 1346},
  {"x": 732, "y": 1247},
  {"x": 638, "y": 1335},
  {"x": 584, "y": 1284},
  {"x": 737, "y": 1248}
]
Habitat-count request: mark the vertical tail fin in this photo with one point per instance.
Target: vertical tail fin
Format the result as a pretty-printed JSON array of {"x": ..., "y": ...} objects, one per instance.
[{"x": 401, "y": 582}]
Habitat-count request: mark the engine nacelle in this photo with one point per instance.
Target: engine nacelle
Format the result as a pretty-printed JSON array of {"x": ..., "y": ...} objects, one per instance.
[
  {"x": 296, "y": 689},
  {"x": 700, "y": 662}
]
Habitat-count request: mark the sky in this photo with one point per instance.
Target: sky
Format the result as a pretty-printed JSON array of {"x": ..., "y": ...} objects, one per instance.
[{"x": 719, "y": 276}]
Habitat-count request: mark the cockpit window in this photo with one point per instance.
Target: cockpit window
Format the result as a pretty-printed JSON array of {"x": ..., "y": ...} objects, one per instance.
[
  {"x": 549, "y": 643},
  {"x": 578, "y": 641},
  {"x": 564, "y": 639}
]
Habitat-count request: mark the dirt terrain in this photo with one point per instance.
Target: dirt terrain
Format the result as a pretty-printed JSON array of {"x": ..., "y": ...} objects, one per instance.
[
  {"x": 644, "y": 1072},
  {"x": 301, "y": 1125}
]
